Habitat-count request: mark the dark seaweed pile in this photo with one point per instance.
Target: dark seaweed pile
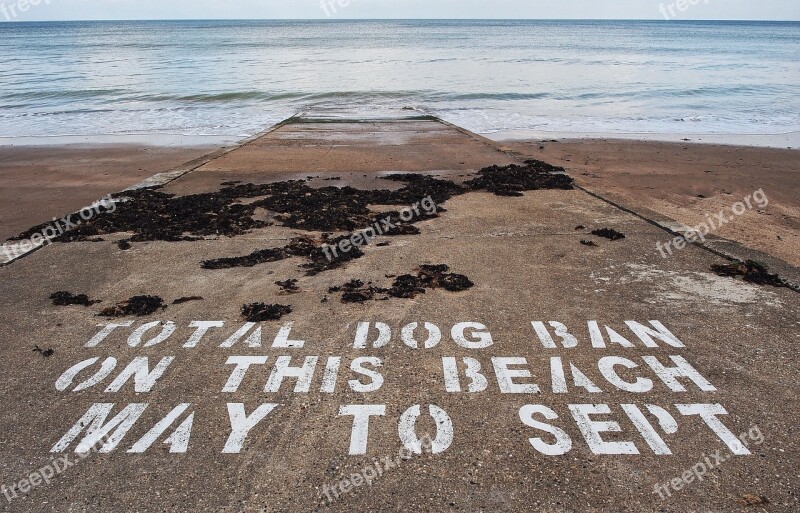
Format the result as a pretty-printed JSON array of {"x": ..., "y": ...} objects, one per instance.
[
  {"x": 151, "y": 214},
  {"x": 318, "y": 259},
  {"x": 300, "y": 246},
  {"x": 355, "y": 291},
  {"x": 347, "y": 208},
  {"x": 608, "y": 233},
  {"x": 259, "y": 312},
  {"x": 47, "y": 353},
  {"x": 68, "y": 298},
  {"x": 406, "y": 286},
  {"x": 751, "y": 272},
  {"x": 154, "y": 215},
  {"x": 189, "y": 299},
  {"x": 513, "y": 180},
  {"x": 438, "y": 276},
  {"x": 137, "y": 305},
  {"x": 288, "y": 286}
]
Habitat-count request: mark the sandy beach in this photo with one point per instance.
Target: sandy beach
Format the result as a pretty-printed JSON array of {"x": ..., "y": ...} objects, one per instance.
[
  {"x": 38, "y": 183},
  {"x": 688, "y": 182}
]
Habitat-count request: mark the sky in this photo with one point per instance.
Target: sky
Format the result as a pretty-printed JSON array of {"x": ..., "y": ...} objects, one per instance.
[{"x": 15, "y": 10}]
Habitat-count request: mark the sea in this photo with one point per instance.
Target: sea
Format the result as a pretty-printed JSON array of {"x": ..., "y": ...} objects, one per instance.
[{"x": 235, "y": 78}]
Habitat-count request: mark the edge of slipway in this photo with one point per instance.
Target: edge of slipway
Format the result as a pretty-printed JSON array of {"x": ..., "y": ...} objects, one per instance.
[
  {"x": 157, "y": 180},
  {"x": 724, "y": 248}
]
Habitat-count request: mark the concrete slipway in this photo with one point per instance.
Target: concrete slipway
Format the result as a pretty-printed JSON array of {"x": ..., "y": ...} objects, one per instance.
[{"x": 566, "y": 448}]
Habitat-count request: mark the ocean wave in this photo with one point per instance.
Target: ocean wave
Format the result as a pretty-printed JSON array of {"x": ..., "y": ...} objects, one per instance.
[
  {"x": 122, "y": 96},
  {"x": 237, "y": 77}
]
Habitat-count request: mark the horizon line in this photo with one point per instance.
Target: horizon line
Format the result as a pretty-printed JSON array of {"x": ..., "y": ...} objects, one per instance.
[{"x": 334, "y": 19}]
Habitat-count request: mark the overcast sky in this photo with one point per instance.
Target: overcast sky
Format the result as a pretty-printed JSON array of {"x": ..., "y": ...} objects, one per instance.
[{"x": 303, "y": 9}]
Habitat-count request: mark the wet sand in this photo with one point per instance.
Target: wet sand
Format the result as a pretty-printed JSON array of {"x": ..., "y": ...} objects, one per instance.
[
  {"x": 670, "y": 178},
  {"x": 38, "y": 183}
]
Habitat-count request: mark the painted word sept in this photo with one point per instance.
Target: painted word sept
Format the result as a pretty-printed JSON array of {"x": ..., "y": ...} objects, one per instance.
[{"x": 593, "y": 421}]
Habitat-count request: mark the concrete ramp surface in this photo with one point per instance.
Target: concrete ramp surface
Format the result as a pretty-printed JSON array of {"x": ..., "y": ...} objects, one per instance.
[{"x": 471, "y": 348}]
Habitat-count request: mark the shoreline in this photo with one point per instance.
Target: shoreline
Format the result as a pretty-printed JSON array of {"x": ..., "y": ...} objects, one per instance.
[
  {"x": 789, "y": 140},
  {"x": 152, "y": 140}
]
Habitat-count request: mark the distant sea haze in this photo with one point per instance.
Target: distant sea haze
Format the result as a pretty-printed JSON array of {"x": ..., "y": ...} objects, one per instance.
[{"x": 234, "y": 78}]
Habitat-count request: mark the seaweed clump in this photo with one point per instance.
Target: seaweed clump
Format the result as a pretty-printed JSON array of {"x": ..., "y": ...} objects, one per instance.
[
  {"x": 323, "y": 258},
  {"x": 417, "y": 187},
  {"x": 355, "y": 291},
  {"x": 750, "y": 271},
  {"x": 137, "y": 305},
  {"x": 150, "y": 214},
  {"x": 188, "y": 299},
  {"x": 47, "y": 353},
  {"x": 67, "y": 298},
  {"x": 261, "y": 256},
  {"x": 438, "y": 276},
  {"x": 259, "y": 312},
  {"x": 407, "y": 286},
  {"x": 320, "y": 257},
  {"x": 300, "y": 246},
  {"x": 609, "y": 233},
  {"x": 513, "y": 179},
  {"x": 288, "y": 286}
]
